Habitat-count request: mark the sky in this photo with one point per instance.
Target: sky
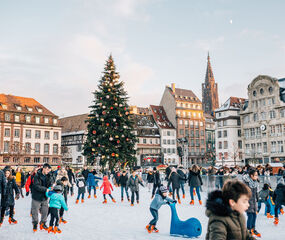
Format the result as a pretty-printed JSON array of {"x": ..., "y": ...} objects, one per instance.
[{"x": 55, "y": 51}]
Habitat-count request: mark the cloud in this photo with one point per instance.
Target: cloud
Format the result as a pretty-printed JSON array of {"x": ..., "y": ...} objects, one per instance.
[
  {"x": 253, "y": 33},
  {"x": 205, "y": 44}
]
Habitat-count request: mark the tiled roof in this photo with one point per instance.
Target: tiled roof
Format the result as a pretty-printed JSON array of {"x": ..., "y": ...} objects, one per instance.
[
  {"x": 74, "y": 123},
  {"x": 185, "y": 95},
  {"x": 208, "y": 116},
  {"x": 160, "y": 117},
  {"x": 232, "y": 102},
  {"x": 22, "y": 104}
]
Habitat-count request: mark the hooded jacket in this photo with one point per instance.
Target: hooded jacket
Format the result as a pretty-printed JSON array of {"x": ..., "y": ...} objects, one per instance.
[
  {"x": 158, "y": 201},
  {"x": 279, "y": 194},
  {"x": 91, "y": 180},
  {"x": 254, "y": 197},
  {"x": 41, "y": 184},
  {"x": 194, "y": 179},
  {"x": 56, "y": 200},
  {"x": 8, "y": 193},
  {"x": 224, "y": 223},
  {"x": 106, "y": 185},
  {"x": 80, "y": 183},
  {"x": 133, "y": 183}
]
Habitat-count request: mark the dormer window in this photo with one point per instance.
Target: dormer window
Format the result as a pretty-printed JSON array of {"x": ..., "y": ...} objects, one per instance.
[
  {"x": 40, "y": 110},
  {"x": 54, "y": 121},
  {"x": 19, "y": 108},
  {"x": 30, "y": 109},
  {"x": 46, "y": 120},
  {"x": 4, "y": 106}
]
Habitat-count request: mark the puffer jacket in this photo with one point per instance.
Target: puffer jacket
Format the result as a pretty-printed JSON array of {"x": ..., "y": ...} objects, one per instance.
[
  {"x": 56, "y": 200},
  {"x": 224, "y": 223},
  {"x": 254, "y": 191},
  {"x": 158, "y": 201},
  {"x": 133, "y": 183},
  {"x": 8, "y": 193},
  {"x": 91, "y": 180},
  {"x": 194, "y": 179},
  {"x": 106, "y": 185},
  {"x": 279, "y": 194}
]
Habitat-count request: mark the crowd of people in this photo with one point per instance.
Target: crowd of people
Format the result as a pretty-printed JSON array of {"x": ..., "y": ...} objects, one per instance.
[{"x": 50, "y": 190}]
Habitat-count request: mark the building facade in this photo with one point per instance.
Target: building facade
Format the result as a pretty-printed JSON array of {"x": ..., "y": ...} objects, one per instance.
[
  {"x": 184, "y": 110},
  {"x": 210, "y": 154},
  {"x": 29, "y": 133},
  {"x": 263, "y": 121},
  {"x": 74, "y": 130},
  {"x": 229, "y": 147},
  {"x": 148, "y": 148},
  {"x": 210, "y": 97},
  {"x": 167, "y": 135}
]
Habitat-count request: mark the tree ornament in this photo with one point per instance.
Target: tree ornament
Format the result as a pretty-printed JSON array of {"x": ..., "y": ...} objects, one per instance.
[
  {"x": 94, "y": 141},
  {"x": 111, "y": 139},
  {"x": 127, "y": 139},
  {"x": 116, "y": 136},
  {"x": 124, "y": 126},
  {"x": 120, "y": 105},
  {"x": 102, "y": 119},
  {"x": 104, "y": 112},
  {"x": 116, "y": 104},
  {"x": 125, "y": 108},
  {"x": 103, "y": 156},
  {"x": 127, "y": 113},
  {"x": 111, "y": 108},
  {"x": 94, "y": 131},
  {"x": 123, "y": 136},
  {"x": 113, "y": 154},
  {"x": 114, "y": 120},
  {"x": 118, "y": 141},
  {"x": 104, "y": 107},
  {"x": 109, "y": 90},
  {"x": 107, "y": 96},
  {"x": 93, "y": 150},
  {"x": 117, "y": 155},
  {"x": 107, "y": 124}
]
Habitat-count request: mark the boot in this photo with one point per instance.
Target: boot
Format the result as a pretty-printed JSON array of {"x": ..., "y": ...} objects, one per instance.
[
  {"x": 114, "y": 201},
  {"x": 105, "y": 201},
  {"x": 77, "y": 201},
  {"x": 122, "y": 200},
  {"x": 132, "y": 204},
  {"x": 276, "y": 221},
  {"x": 155, "y": 229},
  {"x": 82, "y": 200},
  {"x": 12, "y": 220},
  {"x": 138, "y": 201},
  {"x": 95, "y": 196},
  {"x": 35, "y": 227},
  {"x": 200, "y": 202},
  {"x": 1, "y": 220},
  {"x": 170, "y": 194},
  {"x": 192, "y": 202},
  {"x": 282, "y": 211},
  {"x": 43, "y": 226},
  {"x": 183, "y": 196},
  {"x": 255, "y": 233},
  {"x": 56, "y": 230},
  {"x": 129, "y": 200},
  {"x": 269, "y": 215},
  {"x": 179, "y": 201},
  {"x": 50, "y": 229},
  {"x": 61, "y": 220},
  {"x": 89, "y": 196},
  {"x": 148, "y": 228}
]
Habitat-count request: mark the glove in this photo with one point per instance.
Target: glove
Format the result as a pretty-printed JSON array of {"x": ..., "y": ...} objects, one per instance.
[
  {"x": 17, "y": 196},
  {"x": 168, "y": 203},
  {"x": 27, "y": 194},
  {"x": 175, "y": 201}
]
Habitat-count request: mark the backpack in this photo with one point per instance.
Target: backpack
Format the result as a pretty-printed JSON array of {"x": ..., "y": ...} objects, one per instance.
[
  {"x": 263, "y": 194},
  {"x": 81, "y": 183}
]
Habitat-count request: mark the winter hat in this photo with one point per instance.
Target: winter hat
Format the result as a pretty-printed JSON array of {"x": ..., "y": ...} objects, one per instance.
[
  {"x": 58, "y": 188},
  {"x": 163, "y": 189},
  {"x": 154, "y": 168},
  {"x": 58, "y": 167}
]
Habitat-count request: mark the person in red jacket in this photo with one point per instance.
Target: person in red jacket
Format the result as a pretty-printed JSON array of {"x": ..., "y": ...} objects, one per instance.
[
  {"x": 107, "y": 186},
  {"x": 30, "y": 180}
]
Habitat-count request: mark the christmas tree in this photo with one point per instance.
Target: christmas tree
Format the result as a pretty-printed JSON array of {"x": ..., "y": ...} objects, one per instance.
[{"x": 110, "y": 130}]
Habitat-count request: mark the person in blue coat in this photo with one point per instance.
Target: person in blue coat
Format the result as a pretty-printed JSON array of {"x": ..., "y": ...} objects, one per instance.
[
  {"x": 92, "y": 183},
  {"x": 159, "y": 200},
  {"x": 56, "y": 202}
]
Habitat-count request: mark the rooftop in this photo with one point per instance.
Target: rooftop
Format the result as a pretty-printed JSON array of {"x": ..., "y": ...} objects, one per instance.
[
  {"x": 74, "y": 123},
  {"x": 184, "y": 94},
  {"x": 160, "y": 117},
  {"x": 232, "y": 103}
]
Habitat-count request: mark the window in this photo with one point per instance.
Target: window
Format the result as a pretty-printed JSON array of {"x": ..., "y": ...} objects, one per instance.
[
  {"x": 261, "y": 91},
  {"x": 258, "y": 132},
  {"x": 181, "y": 132},
  {"x": 27, "y": 160},
  {"x": 225, "y": 144},
  {"x": 272, "y": 130},
  {"x": 17, "y": 133},
  {"x": 186, "y": 132},
  {"x": 17, "y": 118},
  {"x": 265, "y": 147},
  {"x": 272, "y": 114},
  {"x": 37, "y": 160},
  {"x": 54, "y": 121},
  {"x": 37, "y": 134},
  {"x": 27, "y": 147},
  {"x": 202, "y": 141},
  {"x": 79, "y": 148},
  {"x": 225, "y": 123},
  {"x": 164, "y": 141},
  {"x": 263, "y": 116},
  {"x": 246, "y": 119},
  {"x": 6, "y": 146},
  {"x": 225, "y": 133},
  {"x": 54, "y": 160},
  {"x": 246, "y": 133},
  {"x": 219, "y": 134},
  {"x": 180, "y": 121},
  {"x": 197, "y": 133},
  {"x": 30, "y": 109},
  {"x": 168, "y": 133},
  {"x": 240, "y": 144},
  {"x": 55, "y": 148},
  {"x": 37, "y": 148},
  {"x": 173, "y": 142},
  {"x": 45, "y": 159},
  {"x": 46, "y": 120},
  {"x": 255, "y": 117},
  {"x": 238, "y": 122},
  {"x": 280, "y": 147},
  {"x": 252, "y": 132},
  {"x": 219, "y": 123},
  {"x": 259, "y": 148},
  {"x": 273, "y": 147},
  {"x": 39, "y": 110},
  {"x": 28, "y": 118},
  {"x": 144, "y": 141},
  {"x": 7, "y": 132},
  {"x": 7, "y": 117},
  {"x": 38, "y": 120},
  {"x": 270, "y": 89},
  {"x": 28, "y": 133},
  {"x": 46, "y": 148},
  {"x": 202, "y": 132},
  {"x": 282, "y": 113},
  {"x": 192, "y": 133},
  {"x": 19, "y": 108},
  {"x": 220, "y": 145},
  {"x": 46, "y": 134},
  {"x": 254, "y": 93},
  {"x": 239, "y": 132}
]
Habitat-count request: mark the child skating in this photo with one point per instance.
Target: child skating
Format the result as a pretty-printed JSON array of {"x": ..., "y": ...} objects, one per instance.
[
  {"x": 91, "y": 184},
  {"x": 133, "y": 184},
  {"x": 159, "y": 200},
  {"x": 80, "y": 183},
  {"x": 55, "y": 204},
  {"x": 107, "y": 187}
]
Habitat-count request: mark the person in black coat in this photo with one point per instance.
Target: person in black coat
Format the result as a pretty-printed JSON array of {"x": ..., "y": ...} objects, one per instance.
[
  {"x": 42, "y": 181},
  {"x": 150, "y": 179},
  {"x": 279, "y": 200},
  {"x": 2, "y": 182},
  {"x": 7, "y": 200},
  {"x": 195, "y": 181},
  {"x": 71, "y": 179},
  {"x": 175, "y": 178},
  {"x": 85, "y": 173},
  {"x": 156, "y": 181},
  {"x": 123, "y": 179},
  {"x": 181, "y": 172}
]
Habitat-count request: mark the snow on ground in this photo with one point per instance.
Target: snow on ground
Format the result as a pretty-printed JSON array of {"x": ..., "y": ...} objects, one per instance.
[{"x": 94, "y": 220}]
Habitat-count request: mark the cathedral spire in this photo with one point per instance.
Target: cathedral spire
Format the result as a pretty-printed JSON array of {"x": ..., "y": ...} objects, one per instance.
[{"x": 209, "y": 73}]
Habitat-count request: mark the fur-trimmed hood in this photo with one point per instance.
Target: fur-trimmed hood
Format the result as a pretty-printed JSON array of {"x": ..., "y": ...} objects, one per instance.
[{"x": 216, "y": 205}]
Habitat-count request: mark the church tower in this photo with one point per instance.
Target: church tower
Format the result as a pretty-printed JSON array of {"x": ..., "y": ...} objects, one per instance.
[{"x": 210, "y": 97}]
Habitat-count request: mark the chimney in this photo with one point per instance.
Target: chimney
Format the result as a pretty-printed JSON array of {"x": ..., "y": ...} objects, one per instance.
[{"x": 173, "y": 87}]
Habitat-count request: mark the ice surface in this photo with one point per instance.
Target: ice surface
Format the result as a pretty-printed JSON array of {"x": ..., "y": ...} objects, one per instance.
[{"x": 94, "y": 220}]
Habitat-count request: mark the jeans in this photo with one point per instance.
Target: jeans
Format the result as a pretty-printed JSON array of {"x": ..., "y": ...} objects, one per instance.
[
  {"x": 90, "y": 188},
  {"x": 251, "y": 219},
  {"x": 276, "y": 209},
  {"x": 267, "y": 206},
  {"x": 154, "y": 213},
  {"x": 11, "y": 212},
  {"x": 177, "y": 193},
  {"x": 71, "y": 189},
  {"x": 53, "y": 217},
  {"x": 133, "y": 196},
  {"x": 182, "y": 187},
  {"x": 82, "y": 196},
  {"x": 104, "y": 195},
  {"x": 155, "y": 186},
  {"x": 122, "y": 192},
  {"x": 197, "y": 191}
]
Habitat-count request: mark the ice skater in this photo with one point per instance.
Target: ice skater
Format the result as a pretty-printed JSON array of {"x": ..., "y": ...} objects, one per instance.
[{"x": 107, "y": 187}]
